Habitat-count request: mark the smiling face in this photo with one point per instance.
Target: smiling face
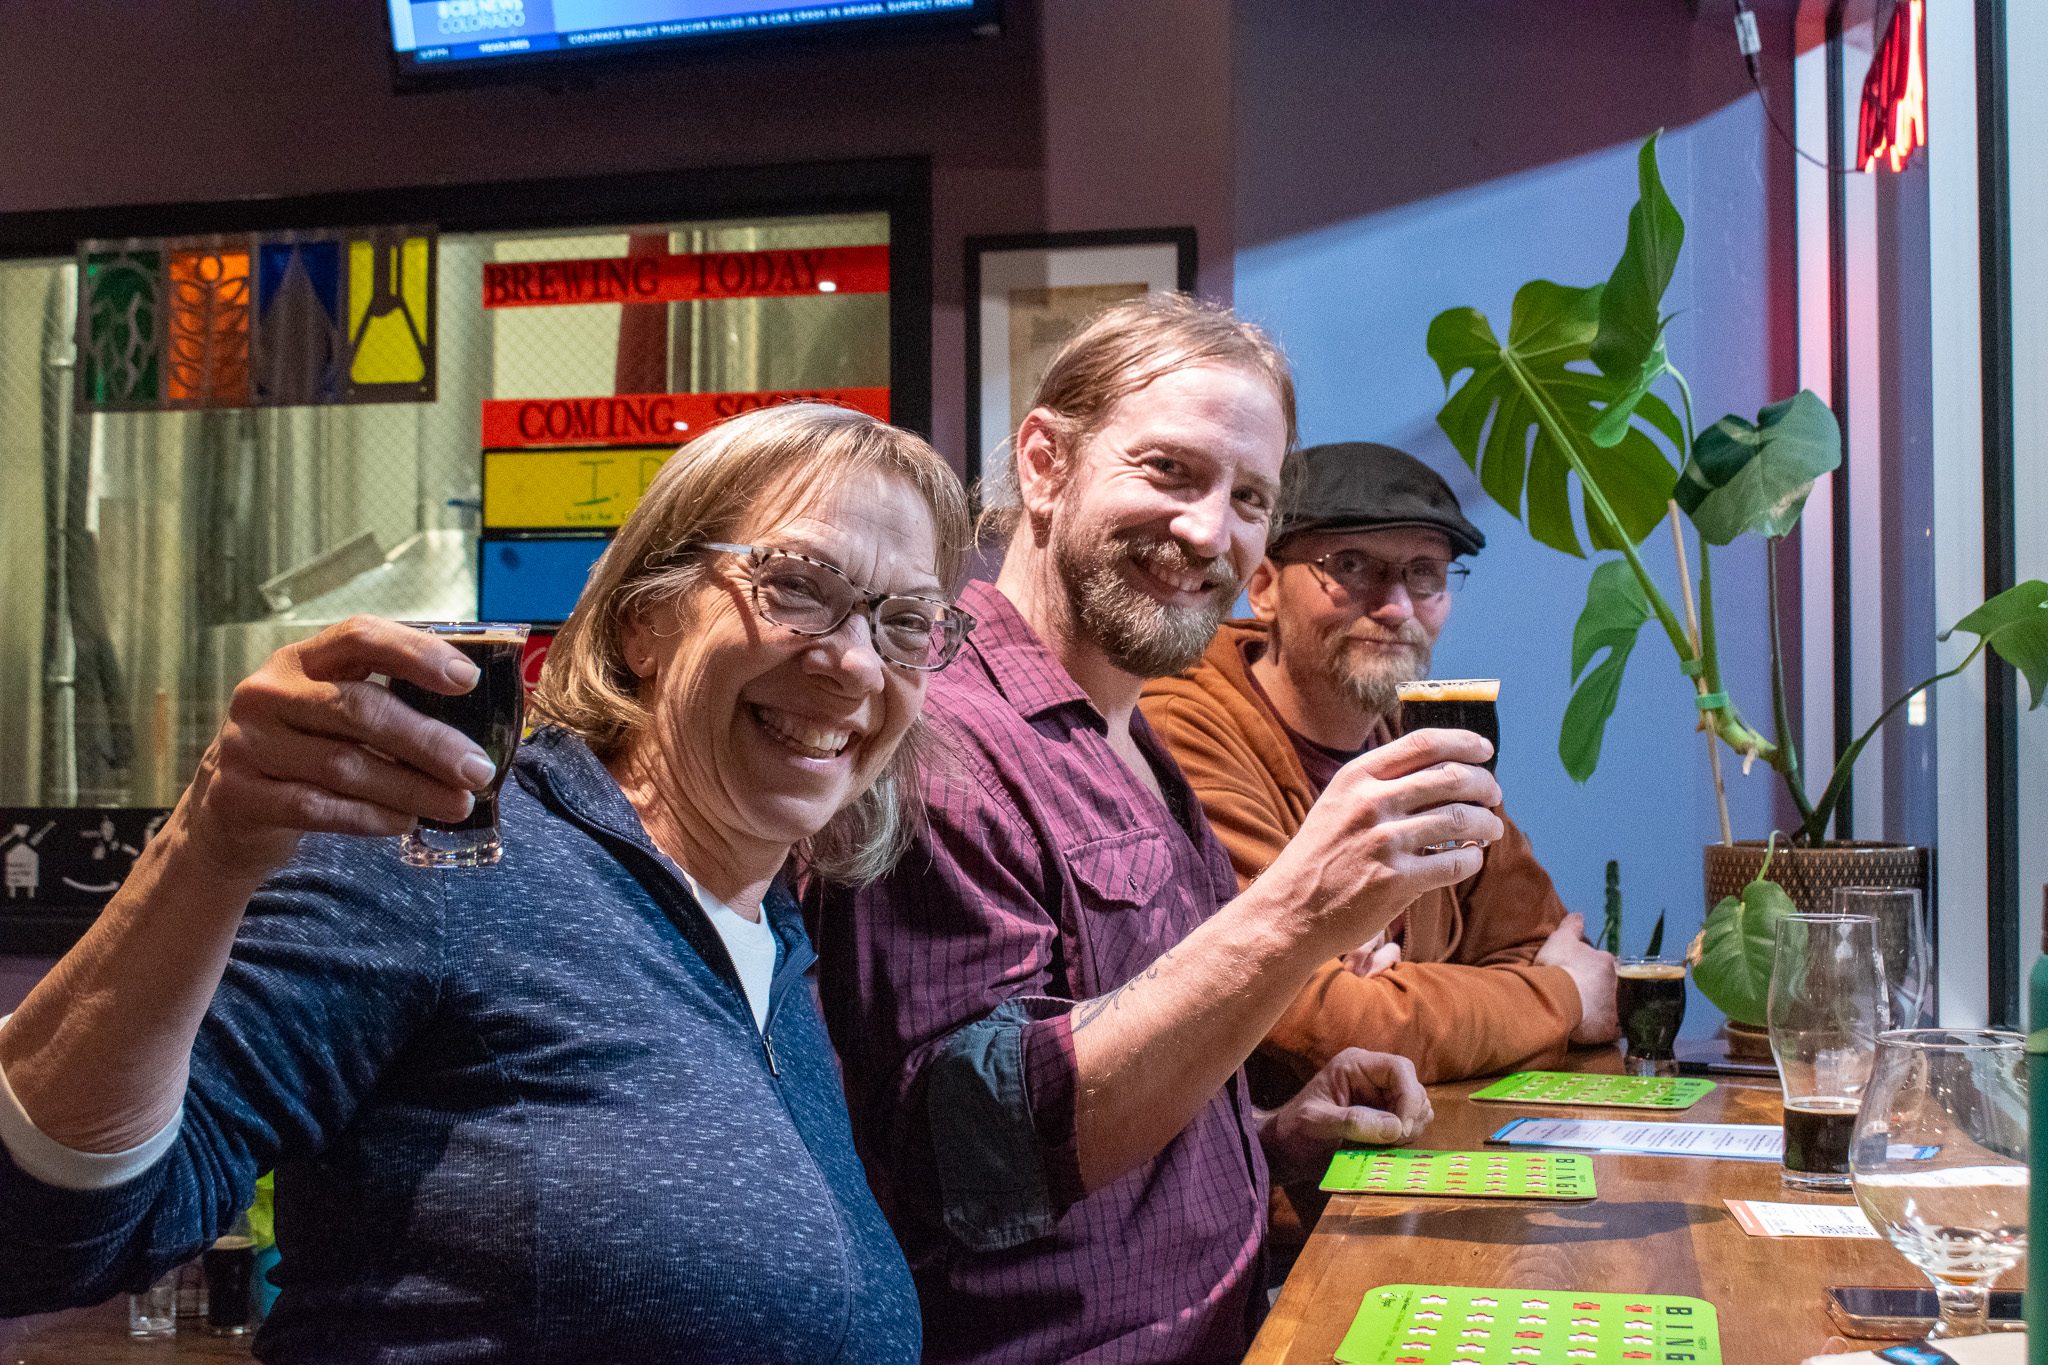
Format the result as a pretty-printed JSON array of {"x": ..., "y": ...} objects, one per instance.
[
  {"x": 1360, "y": 648},
  {"x": 1163, "y": 512},
  {"x": 761, "y": 735}
]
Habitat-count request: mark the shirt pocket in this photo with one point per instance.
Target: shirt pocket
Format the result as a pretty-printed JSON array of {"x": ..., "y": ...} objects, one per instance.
[{"x": 1128, "y": 912}]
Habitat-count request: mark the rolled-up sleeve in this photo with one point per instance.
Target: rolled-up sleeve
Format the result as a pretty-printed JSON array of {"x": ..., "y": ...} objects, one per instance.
[{"x": 1000, "y": 1104}]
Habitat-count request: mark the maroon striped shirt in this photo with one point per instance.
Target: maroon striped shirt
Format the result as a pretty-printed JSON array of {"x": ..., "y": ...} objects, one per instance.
[{"x": 1048, "y": 874}]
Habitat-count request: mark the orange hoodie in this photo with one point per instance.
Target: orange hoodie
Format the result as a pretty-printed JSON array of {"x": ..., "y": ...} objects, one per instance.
[{"x": 1467, "y": 997}]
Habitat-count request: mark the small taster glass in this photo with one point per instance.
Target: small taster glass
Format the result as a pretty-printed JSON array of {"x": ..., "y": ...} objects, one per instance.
[
  {"x": 493, "y": 713},
  {"x": 1453, "y": 704}
]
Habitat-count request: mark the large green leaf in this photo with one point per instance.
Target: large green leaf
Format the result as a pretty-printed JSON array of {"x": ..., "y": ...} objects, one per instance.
[
  {"x": 1522, "y": 398},
  {"x": 1734, "y": 967},
  {"x": 1629, "y": 346},
  {"x": 1756, "y": 478},
  {"x": 1614, "y": 614},
  {"x": 2015, "y": 624}
]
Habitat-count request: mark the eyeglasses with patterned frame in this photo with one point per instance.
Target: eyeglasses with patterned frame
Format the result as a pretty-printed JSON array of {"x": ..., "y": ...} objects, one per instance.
[
  {"x": 813, "y": 598},
  {"x": 1361, "y": 575}
]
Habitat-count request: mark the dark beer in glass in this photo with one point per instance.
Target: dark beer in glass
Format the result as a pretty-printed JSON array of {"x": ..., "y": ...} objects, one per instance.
[
  {"x": 493, "y": 713},
  {"x": 1817, "y": 1132},
  {"x": 1649, "y": 1001},
  {"x": 1454, "y": 704},
  {"x": 230, "y": 1269}
]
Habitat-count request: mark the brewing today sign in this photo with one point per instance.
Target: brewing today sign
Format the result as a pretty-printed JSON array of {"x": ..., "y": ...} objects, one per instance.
[{"x": 687, "y": 277}]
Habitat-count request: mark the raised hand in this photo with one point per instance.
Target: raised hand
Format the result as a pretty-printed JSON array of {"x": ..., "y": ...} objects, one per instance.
[
  {"x": 1359, "y": 858},
  {"x": 310, "y": 744}
]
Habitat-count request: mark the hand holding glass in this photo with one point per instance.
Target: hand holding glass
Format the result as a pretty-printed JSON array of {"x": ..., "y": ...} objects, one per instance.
[
  {"x": 1826, "y": 1007},
  {"x": 1939, "y": 1160},
  {"x": 1453, "y": 704}
]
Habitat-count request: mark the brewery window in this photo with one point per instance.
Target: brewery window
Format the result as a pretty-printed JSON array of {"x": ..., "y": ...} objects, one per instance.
[{"x": 150, "y": 559}]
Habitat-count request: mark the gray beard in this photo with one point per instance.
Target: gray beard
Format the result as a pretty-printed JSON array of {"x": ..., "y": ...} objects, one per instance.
[
  {"x": 1139, "y": 635},
  {"x": 1372, "y": 684}
]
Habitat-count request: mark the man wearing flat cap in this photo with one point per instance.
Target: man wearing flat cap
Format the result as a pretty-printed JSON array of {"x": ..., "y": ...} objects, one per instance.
[{"x": 1488, "y": 975}]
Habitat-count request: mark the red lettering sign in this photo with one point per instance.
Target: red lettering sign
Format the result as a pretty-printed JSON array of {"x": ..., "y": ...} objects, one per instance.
[
  {"x": 640, "y": 419},
  {"x": 680, "y": 279}
]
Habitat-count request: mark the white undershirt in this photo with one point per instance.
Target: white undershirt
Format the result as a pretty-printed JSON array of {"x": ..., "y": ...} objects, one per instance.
[{"x": 751, "y": 943}]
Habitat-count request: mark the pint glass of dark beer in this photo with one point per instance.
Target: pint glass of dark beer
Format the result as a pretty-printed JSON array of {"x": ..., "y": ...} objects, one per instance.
[
  {"x": 493, "y": 713},
  {"x": 1649, "y": 1000},
  {"x": 1826, "y": 1007},
  {"x": 1452, "y": 704}
]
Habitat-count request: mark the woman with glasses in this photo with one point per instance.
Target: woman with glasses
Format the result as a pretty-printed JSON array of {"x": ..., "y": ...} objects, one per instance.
[{"x": 577, "y": 1105}]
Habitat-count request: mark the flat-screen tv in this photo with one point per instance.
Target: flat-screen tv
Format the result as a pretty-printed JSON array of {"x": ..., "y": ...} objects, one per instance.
[{"x": 432, "y": 37}]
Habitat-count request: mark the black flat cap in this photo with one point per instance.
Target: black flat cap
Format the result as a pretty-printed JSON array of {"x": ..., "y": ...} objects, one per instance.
[{"x": 1365, "y": 486}]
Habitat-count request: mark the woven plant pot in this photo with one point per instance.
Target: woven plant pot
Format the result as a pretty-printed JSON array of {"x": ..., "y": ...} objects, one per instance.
[{"x": 1810, "y": 876}]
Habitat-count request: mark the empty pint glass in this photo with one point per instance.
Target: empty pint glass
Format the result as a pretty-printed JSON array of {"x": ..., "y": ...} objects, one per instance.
[{"x": 493, "y": 713}]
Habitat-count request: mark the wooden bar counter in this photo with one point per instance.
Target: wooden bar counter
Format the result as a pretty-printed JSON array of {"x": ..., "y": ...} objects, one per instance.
[
  {"x": 99, "y": 1336},
  {"x": 1657, "y": 1227}
]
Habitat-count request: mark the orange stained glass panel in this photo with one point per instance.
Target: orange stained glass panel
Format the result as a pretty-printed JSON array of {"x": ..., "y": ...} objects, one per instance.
[{"x": 207, "y": 346}]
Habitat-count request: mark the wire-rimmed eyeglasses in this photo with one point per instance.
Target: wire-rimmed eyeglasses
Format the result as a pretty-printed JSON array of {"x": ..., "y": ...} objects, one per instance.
[
  {"x": 814, "y": 598},
  {"x": 1362, "y": 575}
]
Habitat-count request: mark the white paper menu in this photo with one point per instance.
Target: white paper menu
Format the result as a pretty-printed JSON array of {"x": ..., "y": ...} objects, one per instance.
[{"x": 1731, "y": 1141}]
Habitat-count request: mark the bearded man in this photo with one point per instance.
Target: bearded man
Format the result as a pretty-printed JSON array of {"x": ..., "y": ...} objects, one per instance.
[
  {"x": 1487, "y": 975},
  {"x": 1042, "y": 1012}
]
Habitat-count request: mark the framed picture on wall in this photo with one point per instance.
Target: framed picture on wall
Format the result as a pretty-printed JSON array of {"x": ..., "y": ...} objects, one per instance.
[{"x": 1025, "y": 293}]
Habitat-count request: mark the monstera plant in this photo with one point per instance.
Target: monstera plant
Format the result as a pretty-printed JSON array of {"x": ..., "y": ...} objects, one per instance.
[{"x": 1579, "y": 417}]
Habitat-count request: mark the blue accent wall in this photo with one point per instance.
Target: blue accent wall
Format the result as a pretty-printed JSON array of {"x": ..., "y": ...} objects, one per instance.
[{"x": 1397, "y": 160}]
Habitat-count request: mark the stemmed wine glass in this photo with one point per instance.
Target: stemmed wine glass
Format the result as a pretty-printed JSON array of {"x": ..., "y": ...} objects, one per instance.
[{"x": 1939, "y": 1160}]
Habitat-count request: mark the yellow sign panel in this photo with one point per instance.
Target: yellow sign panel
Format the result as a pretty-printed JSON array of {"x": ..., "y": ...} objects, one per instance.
[
  {"x": 567, "y": 489},
  {"x": 390, "y": 310}
]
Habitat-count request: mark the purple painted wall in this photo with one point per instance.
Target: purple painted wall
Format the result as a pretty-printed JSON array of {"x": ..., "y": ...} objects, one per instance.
[{"x": 17, "y": 974}]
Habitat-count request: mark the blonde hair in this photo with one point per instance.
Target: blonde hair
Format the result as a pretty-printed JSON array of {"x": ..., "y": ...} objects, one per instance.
[
  {"x": 1116, "y": 352},
  {"x": 783, "y": 455}
]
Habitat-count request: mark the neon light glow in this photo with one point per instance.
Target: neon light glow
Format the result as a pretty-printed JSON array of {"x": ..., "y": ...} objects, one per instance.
[{"x": 1893, "y": 119}]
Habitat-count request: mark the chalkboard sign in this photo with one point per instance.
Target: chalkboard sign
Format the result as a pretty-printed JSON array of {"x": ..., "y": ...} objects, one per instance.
[{"x": 60, "y": 864}]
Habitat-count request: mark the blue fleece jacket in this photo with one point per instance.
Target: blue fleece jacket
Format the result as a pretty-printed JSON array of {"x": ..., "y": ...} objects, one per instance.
[{"x": 517, "y": 1113}]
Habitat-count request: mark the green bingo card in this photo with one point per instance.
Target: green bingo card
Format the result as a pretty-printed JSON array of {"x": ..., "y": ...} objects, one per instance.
[
  {"x": 1618, "y": 1092},
  {"x": 1437, "y": 1324},
  {"x": 1470, "y": 1175}
]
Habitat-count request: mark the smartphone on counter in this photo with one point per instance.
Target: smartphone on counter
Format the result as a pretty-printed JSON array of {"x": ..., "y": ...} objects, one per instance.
[{"x": 1875, "y": 1313}]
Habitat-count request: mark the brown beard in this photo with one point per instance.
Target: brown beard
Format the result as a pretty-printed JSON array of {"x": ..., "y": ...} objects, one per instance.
[
  {"x": 1139, "y": 634},
  {"x": 1371, "y": 680}
]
